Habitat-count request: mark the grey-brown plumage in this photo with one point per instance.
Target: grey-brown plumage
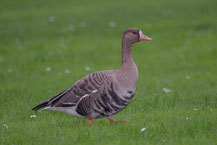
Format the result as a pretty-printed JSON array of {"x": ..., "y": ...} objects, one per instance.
[{"x": 103, "y": 93}]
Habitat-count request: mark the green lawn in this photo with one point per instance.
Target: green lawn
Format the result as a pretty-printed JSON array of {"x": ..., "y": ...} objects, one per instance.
[{"x": 45, "y": 46}]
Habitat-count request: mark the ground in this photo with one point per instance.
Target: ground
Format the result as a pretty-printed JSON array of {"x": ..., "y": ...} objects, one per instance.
[{"x": 45, "y": 46}]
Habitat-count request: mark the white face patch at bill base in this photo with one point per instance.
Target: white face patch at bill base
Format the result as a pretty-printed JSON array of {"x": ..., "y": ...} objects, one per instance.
[
  {"x": 140, "y": 34},
  {"x": 142, "y": 37}
]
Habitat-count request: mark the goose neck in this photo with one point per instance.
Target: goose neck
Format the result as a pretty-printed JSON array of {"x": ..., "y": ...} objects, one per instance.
[{"x": 126, "y": 54}]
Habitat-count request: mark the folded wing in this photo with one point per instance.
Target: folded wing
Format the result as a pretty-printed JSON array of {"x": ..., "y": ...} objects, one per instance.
[{"x": 70, "y": 97}]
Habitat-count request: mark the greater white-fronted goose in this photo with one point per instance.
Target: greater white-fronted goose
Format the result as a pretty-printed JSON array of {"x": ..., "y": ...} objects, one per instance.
[{"x": 103, "y": 93}]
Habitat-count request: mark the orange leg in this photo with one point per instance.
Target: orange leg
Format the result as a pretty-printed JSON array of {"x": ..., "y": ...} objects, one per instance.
[
  {"x": 90, "y": 122},
  {"x": 111, "y": 120}
]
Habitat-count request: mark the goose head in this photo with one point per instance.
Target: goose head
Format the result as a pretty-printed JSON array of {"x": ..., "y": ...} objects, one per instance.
[{"x": 134, "y": 35}]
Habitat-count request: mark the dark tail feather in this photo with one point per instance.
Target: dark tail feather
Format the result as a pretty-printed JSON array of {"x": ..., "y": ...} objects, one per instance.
[
  {"x": 41, "y": 105},
  {"x": 50, "y": 101}
]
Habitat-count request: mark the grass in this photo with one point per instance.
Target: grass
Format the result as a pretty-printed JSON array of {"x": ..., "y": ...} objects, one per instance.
[{"x": 72, "y": 35}]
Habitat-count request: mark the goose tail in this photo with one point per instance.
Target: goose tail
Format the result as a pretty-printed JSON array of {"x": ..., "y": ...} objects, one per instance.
[{"x": 41, "y": 105}]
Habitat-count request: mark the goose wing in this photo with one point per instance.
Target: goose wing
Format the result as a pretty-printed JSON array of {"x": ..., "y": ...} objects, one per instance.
[{"x": 70, "y": 97}]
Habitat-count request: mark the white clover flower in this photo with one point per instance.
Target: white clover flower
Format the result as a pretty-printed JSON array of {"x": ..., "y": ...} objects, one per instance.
[
  {"x": 48, "y": 69},
  {"x": 166, "y": 90},
  {"x": 143, "y": 129},
  {"x": 188, "y": 118},
  {"x": 187, "y": 77},
  {"x": 67, "y": 71},
  {"x": 87, "y": 68},
  {"x": 33, "y": 116},
  {"x": 195, "y": 109},
  {"x": 5, "y": 126},
  {"x": 112, "y": 24},
  {"x": 51, "y": 18}
]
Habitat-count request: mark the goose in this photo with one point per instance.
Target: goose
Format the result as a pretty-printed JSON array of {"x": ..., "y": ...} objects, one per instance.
[{"x": 102, "y": 93}]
